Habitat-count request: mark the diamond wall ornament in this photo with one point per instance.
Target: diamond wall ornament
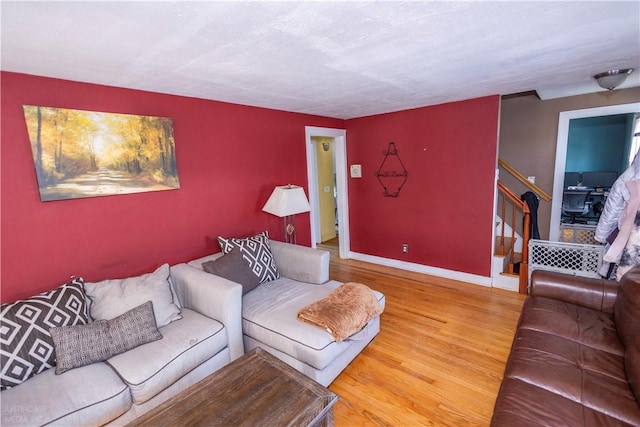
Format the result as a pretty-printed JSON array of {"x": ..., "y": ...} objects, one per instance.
[{"x": 392, "y": 174}]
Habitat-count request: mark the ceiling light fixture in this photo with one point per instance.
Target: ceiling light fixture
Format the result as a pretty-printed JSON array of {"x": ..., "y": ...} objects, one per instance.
[{"x": 613, "y": 78}]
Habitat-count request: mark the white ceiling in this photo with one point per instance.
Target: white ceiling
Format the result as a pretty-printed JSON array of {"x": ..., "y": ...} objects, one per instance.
[{"x": 335, "y": 59}]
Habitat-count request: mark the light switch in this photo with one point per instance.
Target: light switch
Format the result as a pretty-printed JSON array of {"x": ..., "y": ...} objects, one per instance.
[{"x": 356, "y": 171}]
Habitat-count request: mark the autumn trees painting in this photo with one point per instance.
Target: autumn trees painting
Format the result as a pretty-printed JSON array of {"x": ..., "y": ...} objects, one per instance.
[{"x": 85, "y": 154}]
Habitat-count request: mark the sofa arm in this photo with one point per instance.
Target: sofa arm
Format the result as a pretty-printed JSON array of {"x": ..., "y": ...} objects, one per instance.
[
  {"x": 214, "y": 297},
  {"x": 301, "y": 263},
  {"x": 597, "y": 294}
]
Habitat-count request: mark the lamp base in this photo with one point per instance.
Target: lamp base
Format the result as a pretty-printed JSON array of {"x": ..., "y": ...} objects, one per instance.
[{"x": 289, "y": 229}]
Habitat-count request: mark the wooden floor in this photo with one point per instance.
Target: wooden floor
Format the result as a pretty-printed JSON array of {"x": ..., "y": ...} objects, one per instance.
[{"x": 440, "y": 354}]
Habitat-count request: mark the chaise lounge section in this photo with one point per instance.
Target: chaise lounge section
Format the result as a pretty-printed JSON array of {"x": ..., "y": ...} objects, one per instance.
[{"x": 269, "y": 314}]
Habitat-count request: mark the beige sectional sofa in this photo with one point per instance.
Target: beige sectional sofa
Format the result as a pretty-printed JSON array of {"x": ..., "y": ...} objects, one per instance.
[
  {"x": 206, "y": 337},
  {"x": 269, "y": 314},
  {"x": 211, "y": 324}
]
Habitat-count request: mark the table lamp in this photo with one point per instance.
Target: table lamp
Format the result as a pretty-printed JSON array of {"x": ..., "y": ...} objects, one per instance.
[{"x": 286, "y": 201}]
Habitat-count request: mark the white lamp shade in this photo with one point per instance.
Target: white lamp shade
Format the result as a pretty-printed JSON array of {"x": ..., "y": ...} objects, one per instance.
[{"x": 287, "y": 200}]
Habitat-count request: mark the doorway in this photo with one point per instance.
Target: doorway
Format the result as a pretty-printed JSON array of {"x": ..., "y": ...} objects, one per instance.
[
  {"x": 327, "y": 191},
  {"x": 561, "y": 154},
  {"x": 314, "y": 138}
]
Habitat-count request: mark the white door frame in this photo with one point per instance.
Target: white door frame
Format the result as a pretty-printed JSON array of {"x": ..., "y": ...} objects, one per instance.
[
  {"x": 561, "y": 154},
  {"x": 340, "y": 149}
]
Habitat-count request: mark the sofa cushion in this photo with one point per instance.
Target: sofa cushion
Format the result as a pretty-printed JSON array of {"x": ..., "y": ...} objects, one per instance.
[
  {"x": 257, "y": 252},
  {"x": 27, "y": 348},
  {"x": 570, "y": 370},
  {"x": 568, "y": 362},
  {"x": 269, "y": 315},
  {"x": 90, "y": 395},
  {"x": 541, "y": 407},
  {"x": 626, "y": 310},
  {"x": 186, "y": 343},
  {"x": 583, "y": 325},
  {"x": 85, "y": 344},
  {"x": 111, "y": 298},
  {"x": 234, "y": 267}
]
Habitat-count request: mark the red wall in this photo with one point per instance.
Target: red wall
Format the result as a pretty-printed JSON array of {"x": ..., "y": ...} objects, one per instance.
[
  {"x": 444, "y": 212},
  {"x": 229, "y": 159}
]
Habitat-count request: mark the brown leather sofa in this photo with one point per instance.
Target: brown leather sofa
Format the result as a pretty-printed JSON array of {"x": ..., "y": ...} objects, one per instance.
[{"x": 575, "y": 359}]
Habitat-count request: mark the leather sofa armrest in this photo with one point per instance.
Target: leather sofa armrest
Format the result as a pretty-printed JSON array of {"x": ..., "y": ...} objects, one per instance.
[
  {"x": 214, "y": 297},
  {"x": 301, "y": 263},
  {"x": 597, "y": 294}
]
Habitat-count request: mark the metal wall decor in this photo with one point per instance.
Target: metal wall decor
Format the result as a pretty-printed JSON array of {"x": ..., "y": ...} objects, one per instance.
[{"x": 392, "y": 174}]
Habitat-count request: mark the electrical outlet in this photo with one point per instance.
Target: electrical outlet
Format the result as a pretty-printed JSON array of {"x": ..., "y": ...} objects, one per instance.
[{"x": 405, "y": 248}]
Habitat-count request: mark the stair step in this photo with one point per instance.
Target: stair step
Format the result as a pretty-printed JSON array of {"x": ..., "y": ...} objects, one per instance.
[
  {"x": 515, "y": 264},
  {"x": 515, "y": 276},
  {"x": 517, "y": 257}
]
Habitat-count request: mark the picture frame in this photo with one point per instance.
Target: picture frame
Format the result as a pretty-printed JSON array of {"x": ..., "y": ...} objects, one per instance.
[{"x": 78, "y": 153}]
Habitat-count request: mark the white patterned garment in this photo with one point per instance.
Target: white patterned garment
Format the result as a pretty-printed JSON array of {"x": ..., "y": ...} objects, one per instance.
[{"x": 631, "y": 252}]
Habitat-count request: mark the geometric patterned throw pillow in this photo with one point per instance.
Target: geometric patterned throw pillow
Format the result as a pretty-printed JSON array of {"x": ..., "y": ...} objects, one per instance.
[
  {"x": 82, "y": 345},
  {"x": 26, "y": 346},
  {"x": 257, "y": 252}
]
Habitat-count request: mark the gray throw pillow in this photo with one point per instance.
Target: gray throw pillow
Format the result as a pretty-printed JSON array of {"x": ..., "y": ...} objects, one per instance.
[
  {"x": 85, "y": 344},
  {"x": 257, "y": 252},
  {"x": 234, "y": 267}
]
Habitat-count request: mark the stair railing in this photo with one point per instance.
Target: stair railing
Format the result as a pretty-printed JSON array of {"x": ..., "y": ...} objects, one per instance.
[
  {"x": 531, "y": 186},
  {"x": 516, "y": 206}
]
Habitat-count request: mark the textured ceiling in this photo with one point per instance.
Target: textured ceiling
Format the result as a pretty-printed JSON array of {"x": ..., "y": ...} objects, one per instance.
[{"x": 336, "y": 59}]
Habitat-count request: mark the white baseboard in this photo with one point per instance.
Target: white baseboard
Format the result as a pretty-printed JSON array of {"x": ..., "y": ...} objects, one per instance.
[{"x": 424, "y": 269}]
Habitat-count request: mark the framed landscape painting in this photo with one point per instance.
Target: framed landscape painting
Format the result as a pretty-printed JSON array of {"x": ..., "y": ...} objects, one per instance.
[{"x": 80, "y": 153}]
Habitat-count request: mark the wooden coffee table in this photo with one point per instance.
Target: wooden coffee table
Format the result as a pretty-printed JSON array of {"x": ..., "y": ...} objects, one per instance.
[{"x": 255, "y": 390}]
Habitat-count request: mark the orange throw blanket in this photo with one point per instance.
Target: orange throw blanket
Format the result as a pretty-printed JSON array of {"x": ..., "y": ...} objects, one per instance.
[{"x": 344, "y": 311}]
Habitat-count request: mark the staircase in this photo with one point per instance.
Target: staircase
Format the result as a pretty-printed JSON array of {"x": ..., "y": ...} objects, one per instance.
[
  {"x": 510, "y": 269},
  {"x": 507, "y": 242}
]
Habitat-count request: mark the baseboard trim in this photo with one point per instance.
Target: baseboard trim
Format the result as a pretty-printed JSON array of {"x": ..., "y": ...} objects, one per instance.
[{"x": 424, "y": 269}]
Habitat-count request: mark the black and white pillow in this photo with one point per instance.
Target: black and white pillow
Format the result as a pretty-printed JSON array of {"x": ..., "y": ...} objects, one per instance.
[
  {"x": 26, "y": 346},
  {"x": 257, "y": 252}
]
